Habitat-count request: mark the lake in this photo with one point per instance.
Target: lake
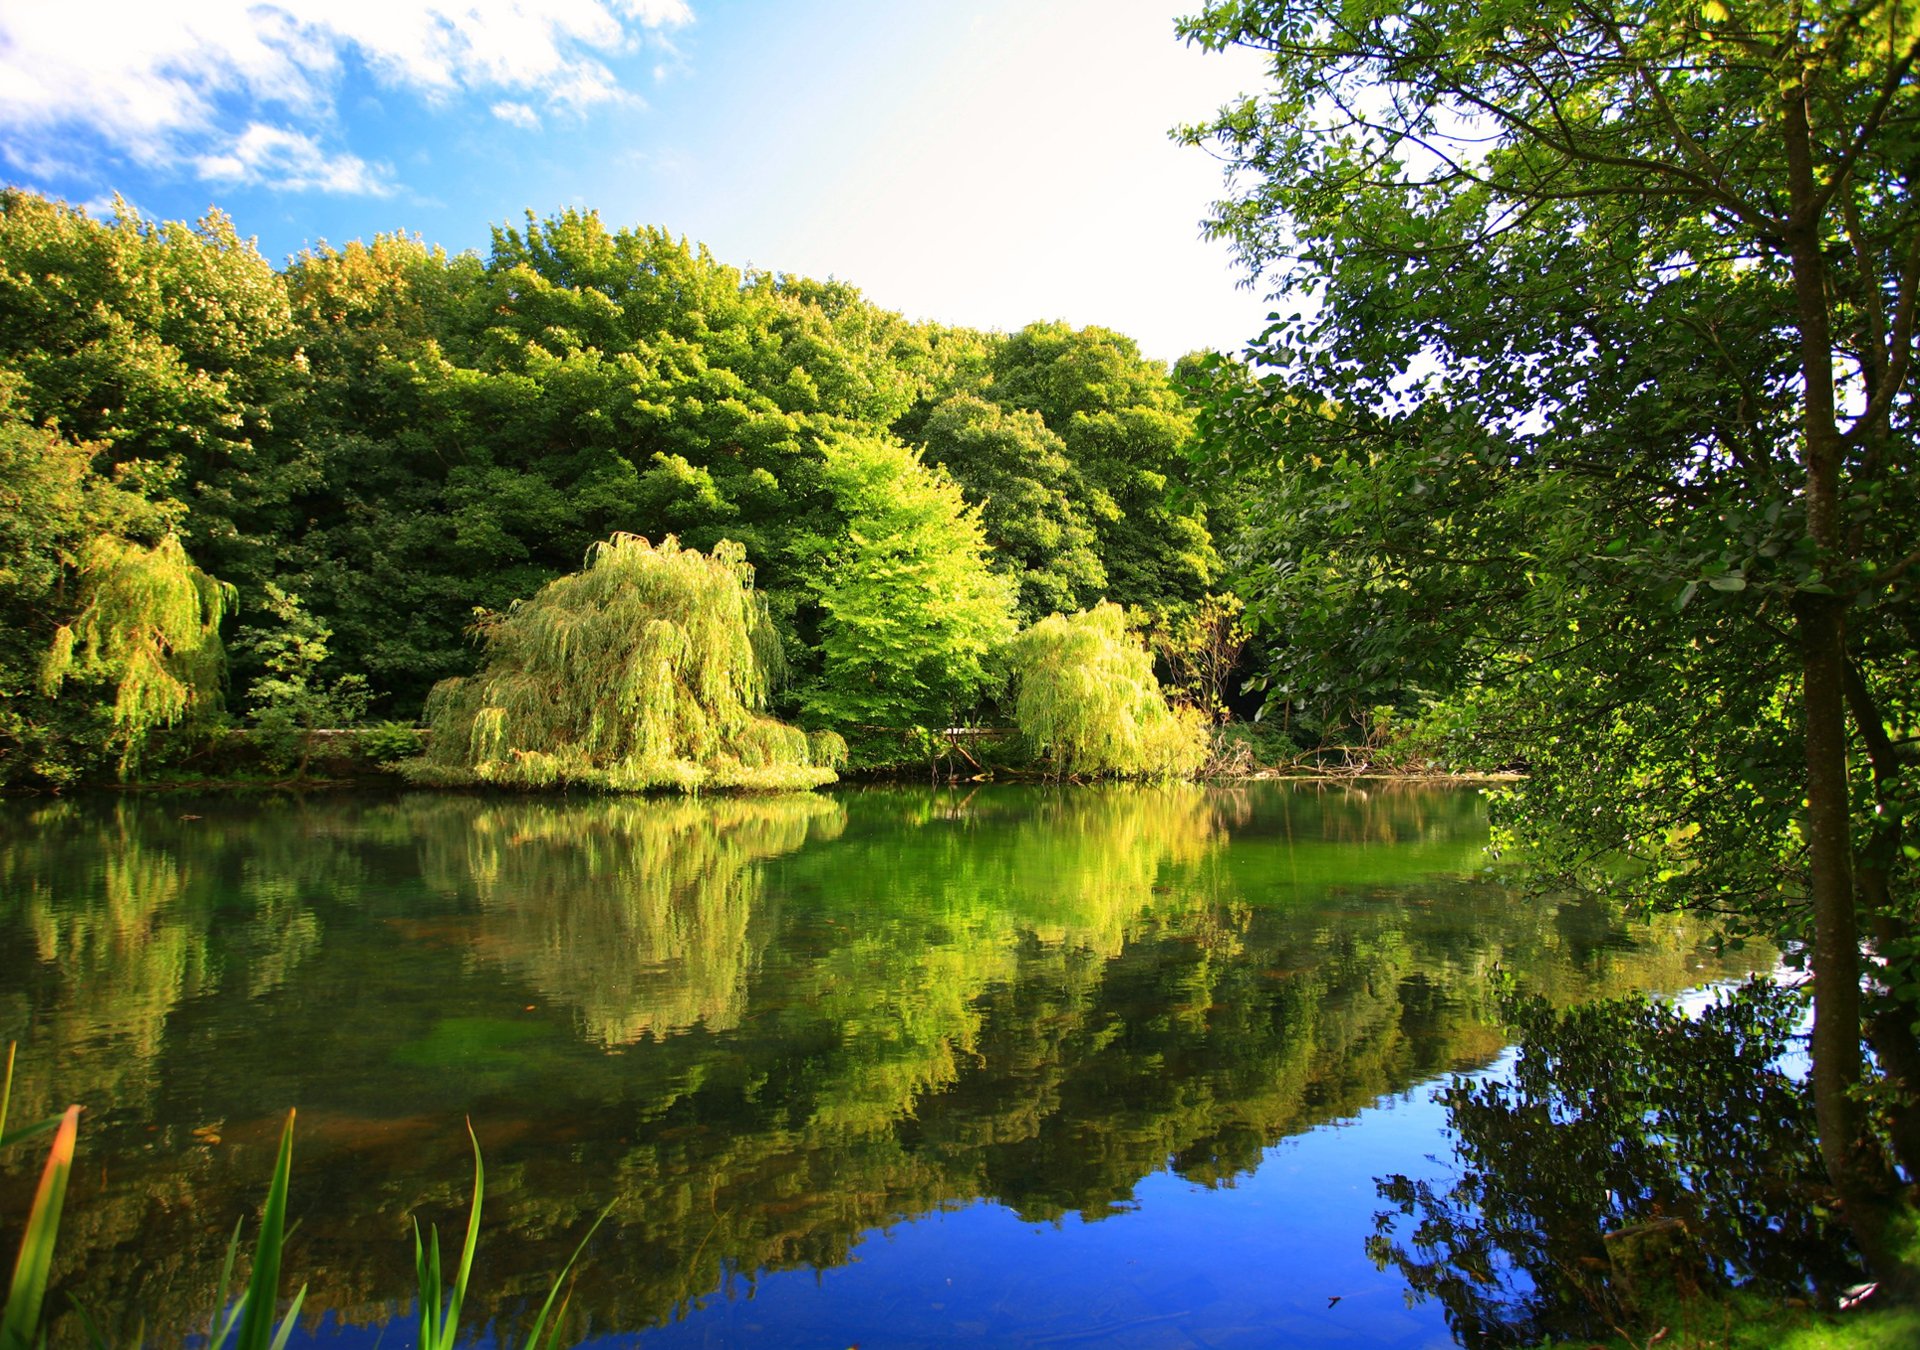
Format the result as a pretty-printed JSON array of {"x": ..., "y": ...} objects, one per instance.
[{"x": 997, "y": 1065}]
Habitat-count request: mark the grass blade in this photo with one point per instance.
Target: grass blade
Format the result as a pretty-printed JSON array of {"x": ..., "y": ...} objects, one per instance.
[
  {"x": 286, "y": 1323},
  {"x": 26, "y": 1132},
  {"x": 533, "y": 1336},
  {"x": 440, "y": 1323},
  {"x": 20, "y": 1322},
  {"x": 6, "y": 1090},
  {"x": 96, "y": 1339},
  {"x": 217, "y": 1329},
  {"x": 473, "y": 1241},
  {"x": 256, "y": 1317}
]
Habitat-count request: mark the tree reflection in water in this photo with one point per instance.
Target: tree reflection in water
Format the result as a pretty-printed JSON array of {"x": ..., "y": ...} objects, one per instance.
[
  {"x": 763, "y": 1027},
  {"x": 1633, "y": 1151}
]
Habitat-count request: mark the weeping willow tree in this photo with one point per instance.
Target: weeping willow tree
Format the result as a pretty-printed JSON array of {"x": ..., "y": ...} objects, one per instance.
[
  {"x": 647, "y": 669},
  {"x": 148, "y": 625},
  {"x": 1087, "y": 696}
]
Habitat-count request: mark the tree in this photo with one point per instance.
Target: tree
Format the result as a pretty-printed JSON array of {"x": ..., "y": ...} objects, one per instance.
[
  {"x": 911, "y": 616},
  {"x": 148, "y": 627},
  {"x": 1085, "y": 693},
  {"x": 646, "y": 669},
  {"x": 1017, "y": 473},
  {"x": 96, "y": 592},
  {"x": 291, "y": 699},
  {"x": 1600, "y": 351},
  {"x": 165, "y": 344},
  {"x": 1126, "y": 430}
]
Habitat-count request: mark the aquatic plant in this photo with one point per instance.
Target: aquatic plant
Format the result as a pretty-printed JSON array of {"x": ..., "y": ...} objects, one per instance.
[
  {"x": 440, "y": 1307},
  {"x": 20, "y": 1326},
  {"x": 252, "y": 1313},
  {"x": 248, "y": 1322},
  {"x": 648, "y": 668}
]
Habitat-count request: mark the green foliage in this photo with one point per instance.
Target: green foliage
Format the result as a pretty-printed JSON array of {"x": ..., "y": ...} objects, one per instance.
[
  {"x": 1587, "y": 413},
  {"x": 1201, "y": 647},
  {"x": 912, "y": 617},
  {"x": 21, "y": 1314},
  {"x": 1127, "y": 433},
  {"x": 1016, "y": 471},
  {"x": 439, "y": 1307},
  {"x": 401, "y": 437},
  {"x": 249, "y": 1322},
  {"x": 1085, "y": 694},
  {"x": 148, "y": 627},
  {"x": 390, "y": 742},
  {"x": 646, "y": 669},
  {"x": 289, "y": 701},
  {"x": 169, "y": 345}
]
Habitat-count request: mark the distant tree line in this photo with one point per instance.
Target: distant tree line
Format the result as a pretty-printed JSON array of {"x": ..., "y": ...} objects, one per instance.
[{"x": 299, "y": 493}]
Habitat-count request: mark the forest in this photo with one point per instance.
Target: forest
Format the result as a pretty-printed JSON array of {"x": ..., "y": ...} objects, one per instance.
[{"x": 304, "y": 497}]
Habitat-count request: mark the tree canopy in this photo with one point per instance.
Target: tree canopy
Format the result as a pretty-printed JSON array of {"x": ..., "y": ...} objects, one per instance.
[
  {"x": 1086, "y": 694},
  {"x": 400, "y": 436},
  {"x": 1589, "y": 406},
  {"x": 912, "y": 618}
]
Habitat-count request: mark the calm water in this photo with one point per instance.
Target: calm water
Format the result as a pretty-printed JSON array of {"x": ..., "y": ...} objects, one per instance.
[{"x": 1004, "y": 1066}]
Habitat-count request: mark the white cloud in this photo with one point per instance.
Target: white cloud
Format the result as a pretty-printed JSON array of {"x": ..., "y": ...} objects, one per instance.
[
  {"x": 292, "y": 161},
  {"x": 167, "y": 82},
  {"x": 518, "y": 114}
]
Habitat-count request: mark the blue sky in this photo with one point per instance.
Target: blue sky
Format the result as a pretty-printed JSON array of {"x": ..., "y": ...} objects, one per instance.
[{"x": 986, "y": 163}]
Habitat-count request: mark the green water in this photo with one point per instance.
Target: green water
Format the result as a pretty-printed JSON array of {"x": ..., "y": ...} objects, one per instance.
[{"x": 1071, "y": 1048}]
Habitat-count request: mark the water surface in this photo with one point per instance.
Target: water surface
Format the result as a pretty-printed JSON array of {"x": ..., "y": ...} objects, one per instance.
[{"x": 1001, "y": 1066}]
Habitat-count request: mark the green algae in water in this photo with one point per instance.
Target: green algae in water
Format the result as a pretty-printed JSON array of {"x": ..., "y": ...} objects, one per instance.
[{"x": 471, "y": 1045}]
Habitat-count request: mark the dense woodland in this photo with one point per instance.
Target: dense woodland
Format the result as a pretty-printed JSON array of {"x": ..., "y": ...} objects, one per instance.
[
  {"x": 312, "y": 492},
  {"x": 1586, "y": 440}
]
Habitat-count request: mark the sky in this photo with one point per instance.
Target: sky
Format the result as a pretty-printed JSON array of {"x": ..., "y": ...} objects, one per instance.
[{"x": 979, "y": 162}]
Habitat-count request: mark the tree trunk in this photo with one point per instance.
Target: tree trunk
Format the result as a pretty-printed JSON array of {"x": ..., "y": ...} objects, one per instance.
[{"x": 1857, "y": 1170}]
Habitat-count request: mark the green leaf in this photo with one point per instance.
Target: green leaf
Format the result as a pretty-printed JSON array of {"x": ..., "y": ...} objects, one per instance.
[
  {"x": 20, "y": 1322},
  {"x": 256, "y": 1330}
]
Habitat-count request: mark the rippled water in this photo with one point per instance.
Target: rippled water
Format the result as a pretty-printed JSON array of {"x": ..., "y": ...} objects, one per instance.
[{"x": 1008, "y": 1066}]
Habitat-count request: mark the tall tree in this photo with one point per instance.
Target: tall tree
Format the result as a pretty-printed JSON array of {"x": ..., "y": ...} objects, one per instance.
[
  {"x": 96, "y": 595},
  {"x": 911, "y": 615},
  {"x": 1601, "y": 343},
  {"x": 1016, "y": 471},
  {"x": 1127, "y": 430},
  {"x": 167, "y": 344}
]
